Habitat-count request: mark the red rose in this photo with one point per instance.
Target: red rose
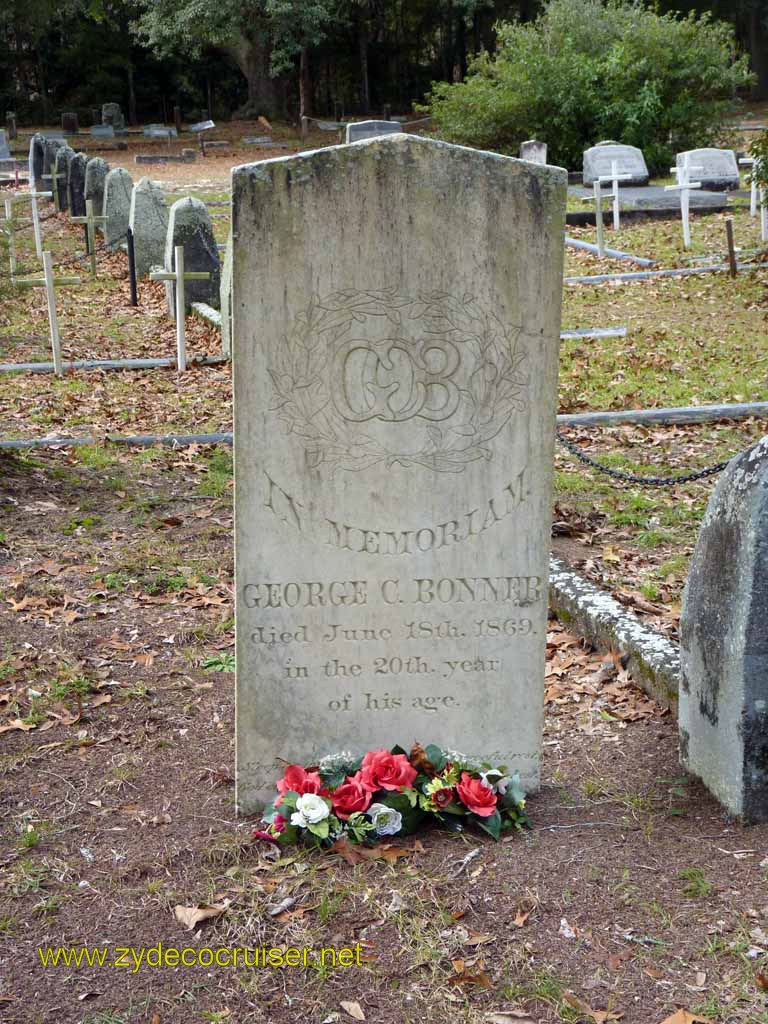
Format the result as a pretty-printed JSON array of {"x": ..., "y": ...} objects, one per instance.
[
  {"x": 297, "y": 780},
  {"x": 442, "y": 797},
  {"x": 476, "y": 796},
  {"x": 352, "y": 795},
  {"x": 382, "y": 770}
]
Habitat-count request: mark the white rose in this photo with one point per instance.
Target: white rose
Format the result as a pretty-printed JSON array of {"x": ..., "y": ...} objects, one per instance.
[
  {"x": 312, "y": 807},
  {"x": 386, "y": 820},
  {"x": 498, "y": 783},
  {"x": 297, "y": 818}
]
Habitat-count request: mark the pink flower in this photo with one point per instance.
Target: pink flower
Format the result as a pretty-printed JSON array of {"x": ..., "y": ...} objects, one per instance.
[
  {"x": 476, "y": 796},
  {"x": 297, "y": 780},
  {"x": 351, "y": 796},
  {"x": 382, "y": 770}
]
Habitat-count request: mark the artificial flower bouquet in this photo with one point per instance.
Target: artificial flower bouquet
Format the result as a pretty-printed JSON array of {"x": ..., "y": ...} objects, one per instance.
[{"x": 391, "y": 793}]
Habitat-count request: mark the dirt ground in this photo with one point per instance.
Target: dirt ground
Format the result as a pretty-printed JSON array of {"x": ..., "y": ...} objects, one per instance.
[{"x": 631, "y": 895}]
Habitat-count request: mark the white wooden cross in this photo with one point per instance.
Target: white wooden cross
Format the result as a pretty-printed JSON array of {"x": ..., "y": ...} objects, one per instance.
[
  {"x": 684, "y": 186},
  {"x": 597, "y": 199},
  {"x": 90, "y": 220},
  {"x": 8, "y": 228},
  {"x": 49, "y": 282},
  {"x": 749, "y": 161},
  {"x": 614, "y": 177},
  {"x": 179, "y": 276},
  {"x": 33, "y": 197},
  {"x": 53, "y": 177}
]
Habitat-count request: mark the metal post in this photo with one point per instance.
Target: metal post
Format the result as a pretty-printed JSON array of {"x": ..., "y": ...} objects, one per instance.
[
  {"x": 11, "y": 240},
  {"x": 599, "y": 219},
  {"x": 50, "y": 292},
  {"x": 181, "y": 340},
  {"x": 763, "y": 217},
  {"x": 615, "y": 186},
  {"x": 90, "y": 228},
  {"x": 132, "y": 266},
  {"x": 731, "y": 248}
]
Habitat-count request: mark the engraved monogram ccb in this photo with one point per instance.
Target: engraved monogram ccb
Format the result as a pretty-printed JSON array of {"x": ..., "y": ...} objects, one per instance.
[
  {"x": 390, "y": 381},
  {"x": 365, "y": 377}
]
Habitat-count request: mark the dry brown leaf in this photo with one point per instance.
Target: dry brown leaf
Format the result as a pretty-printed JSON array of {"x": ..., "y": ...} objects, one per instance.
[
  {"x": 190, "y": 917},
  {"x": 354, "y": 1009},
  {"x": 522, "y": 915},
  {"x": 762, "y": 982},
  {"x": 598, "y": 1016},
  {"x": 353, "y": 854},
  {"x": 103, "y": 698},
  {"x": 155, "y": 1019},
  {"x": 682, "y": 1016},
  {"x": 509, "y": 1017},
  {"x": 16, "y": 723},
  {"x": 653, "y": 972},
  {"x": 464, "y": 977},
  {"x": 478, "y": 939}
]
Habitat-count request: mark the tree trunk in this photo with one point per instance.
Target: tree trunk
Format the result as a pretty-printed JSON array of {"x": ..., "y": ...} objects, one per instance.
[
  {"x": 132, "y": 119},
  {"x": 362, "y": 38},
  {"x": 43, "y": 87},
  {"x": 305, "y": 84},
  {"x": 758, "y": 45},
  {"x": 264, "y": 92}
]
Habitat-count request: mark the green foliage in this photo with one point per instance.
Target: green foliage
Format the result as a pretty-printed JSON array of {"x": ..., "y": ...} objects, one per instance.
[
  {"x": 759, "y": 150},
  {"x": 588, "y": 70}
]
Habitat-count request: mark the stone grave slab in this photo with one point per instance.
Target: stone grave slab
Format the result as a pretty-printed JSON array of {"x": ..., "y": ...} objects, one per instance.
[
  {"x": 5, "y": 152},
  {"x": 95, "y": 177},
  {"x": 37, "y": 161},
  {"x": 653, "y": 197},
  {"x": 62, "y": 160},
  {"x": 76, "y": 184},
  {"x": 148, "y": 219},
  {"x": 190, "y": 225},
  {"x": 723, "y": 710},
  {"x": 599, "y": 159},
  {"x": 395, "y": 369},
  {"x": 118, "y": 188},
  {"x": 357, "y": 130},
  {"x": 719, "y": 169},
  {"x": 103, "y": 131}
]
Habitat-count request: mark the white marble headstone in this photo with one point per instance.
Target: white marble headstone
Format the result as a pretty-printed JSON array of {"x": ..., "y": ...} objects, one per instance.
[
  {"x": 357, "y": 130},
  {"x": 395, "y": 375},
  {"x": 718, "y": 168},
  {"x": 599, "y": 160}
]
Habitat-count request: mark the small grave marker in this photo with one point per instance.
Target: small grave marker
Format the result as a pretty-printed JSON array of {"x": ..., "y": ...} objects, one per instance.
[
  {"x": 50, "y": 283},
  {"x": 749, "y": 161},
  {"x": 684, "y": 186},
  {"x": 179, "y": 276},
  {"x": 357, "y": 130},
  {"x": 534, "y": 151},
  {"x": 90, "y": 220}
]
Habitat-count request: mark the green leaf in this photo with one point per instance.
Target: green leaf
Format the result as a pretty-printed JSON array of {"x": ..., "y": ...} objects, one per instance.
[
  {"x": 491, "y": 825},
  {"x": 320, "y": 830},
  {"x": 289, "y": 800},
  {"x": 436, "y": 756}
]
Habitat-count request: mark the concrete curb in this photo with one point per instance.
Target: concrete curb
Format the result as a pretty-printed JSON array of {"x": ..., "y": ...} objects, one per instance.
[{"x": 653, "y": 660}]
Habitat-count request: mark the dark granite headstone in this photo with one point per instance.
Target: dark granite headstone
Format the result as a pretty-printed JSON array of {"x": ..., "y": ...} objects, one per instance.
[
  {"x": 724, "y": 642},
  {"x": 95, "y": 174},
  {"x": 36, "y": 158},
  {"x": 189, "y": 224},
  {"x": 76, "y": 185},
  {"x": 112, "y": 114},
  {"x": 70, "y": 124},
  {"x": 50, "y": 149},
  {"x": 64, "y": 157}
]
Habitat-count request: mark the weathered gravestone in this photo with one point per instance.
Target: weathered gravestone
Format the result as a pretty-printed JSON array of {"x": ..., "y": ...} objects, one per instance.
[
  {"x": 95, "y": 177},
  {"x": 225, "y": 296},
  {"x": 11, "y": 125},
  {"x": 189, "y": 224},
  {"x": 118, "y": 187},
  {"x": 718, "y": 168},
  {"x": 112, "y": 114},
  {"x": 534, "y": 151},
  {"x": 70, "y": 124},
  {"x": 358, "y": 130},
  {"x": 148, "y": 219},
  {"x": 36, "y": 161},
  {"x": 62, "y": 160},
  {"x": 50, "y": 149},
  {"x": 629, "y": 159},
  {"x": 76, "y": 184},
  {"x": 395, "y": 371},
  {"x": 5, "y": 152},
  {"x": 724, "y": 642}
]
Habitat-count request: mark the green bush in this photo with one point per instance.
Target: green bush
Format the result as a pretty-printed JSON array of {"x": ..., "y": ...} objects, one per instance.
[{"x": 588, "y": 70}]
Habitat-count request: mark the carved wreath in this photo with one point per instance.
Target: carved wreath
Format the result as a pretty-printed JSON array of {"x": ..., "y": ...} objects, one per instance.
[{"x": 301, "y": 366}]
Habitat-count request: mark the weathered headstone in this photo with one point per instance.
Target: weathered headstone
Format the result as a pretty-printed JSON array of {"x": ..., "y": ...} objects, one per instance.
[
  {"x": 723, "y": 710},
  {"x": 357, "y": 130},
  {"x": 76, "y": 184},
  {"x": 62, "y": 160},
  {"x": 103, "y": 131},
  {"x": 226, "y": 300},
  {"x": 719, "y": 170},
  {"x": 11, "y": 125},
  {"x": 5, "y": 152},
  {"x": 395, "y": 369},
  {"x": 95, "y": 177},
  {"x": 148, "y": 219},
  {"x": 189, "y": 224},
  {"x": 534, "y": 151},
  {"x": 118, "y": 187},
  {"x": 629, "y": 159},
  {"x": 112, "y": 114},
  {"x": 70, "y": 124},
  {"x": 36, "y": 160}
]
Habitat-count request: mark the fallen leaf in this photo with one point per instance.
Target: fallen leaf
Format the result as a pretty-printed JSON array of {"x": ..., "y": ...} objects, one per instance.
[
  {"x": 353, "y": 854},
  {"x": 762, "y": 982},
  {"x": 155, "y": 1019},
  {"x": 478, "y": 939},
  {"x": 192, "y": 916},
  {"x": 681, "y": 1016},
  {"x": 598, "y": 1016},
  {"x": 522, "y": 915},
  {"x": 463, "y": 976},
  {"x": 509, "y": 1017},
  {"x": 353, "y": 1009},
  {"x": 17, "y": 723}
]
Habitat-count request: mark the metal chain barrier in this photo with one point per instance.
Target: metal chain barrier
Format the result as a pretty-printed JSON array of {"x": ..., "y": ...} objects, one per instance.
[{"x": 632, "y": 478}]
